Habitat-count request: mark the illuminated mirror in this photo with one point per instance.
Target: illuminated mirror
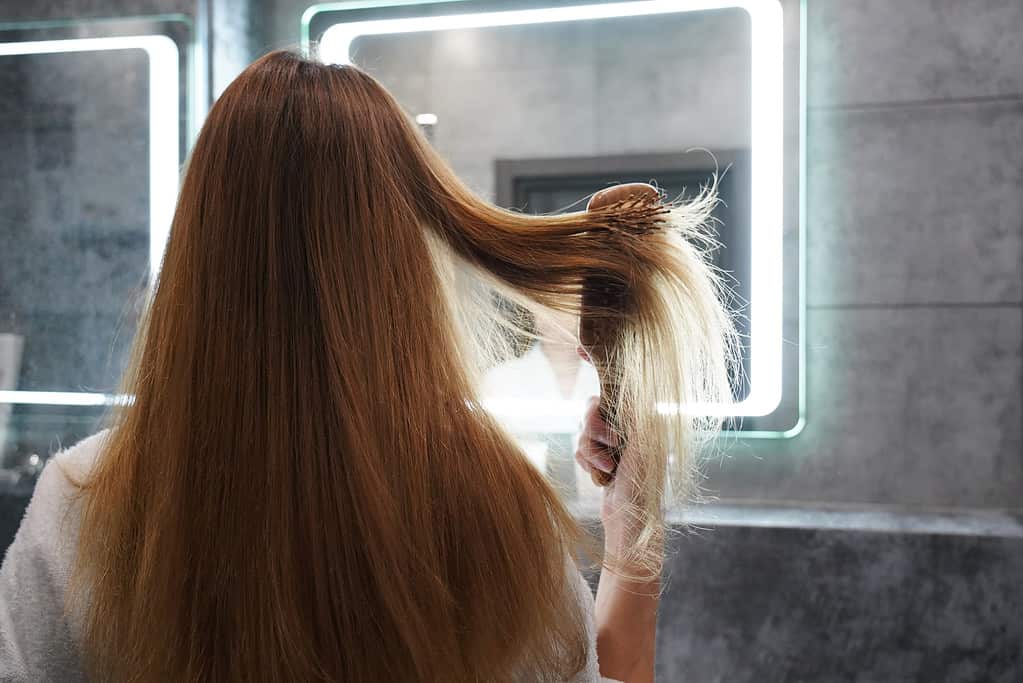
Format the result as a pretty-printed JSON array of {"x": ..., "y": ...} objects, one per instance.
[
  {"x": 94, "y": 135},
  {"x": 538, "y": 106}
]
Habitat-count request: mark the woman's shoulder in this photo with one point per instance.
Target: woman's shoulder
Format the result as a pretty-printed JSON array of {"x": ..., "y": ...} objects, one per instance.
[
  {"x": 56, "y": 490},
  {"x": 36, "y": 641},
  {"x": 50, "y": 521},
  {"x": 74, "y": 464},
  {"x": 48, "y": 529}
]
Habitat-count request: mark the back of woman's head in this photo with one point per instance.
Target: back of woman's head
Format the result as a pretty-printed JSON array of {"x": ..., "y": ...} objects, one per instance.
[{"x": 306, "y": 486}]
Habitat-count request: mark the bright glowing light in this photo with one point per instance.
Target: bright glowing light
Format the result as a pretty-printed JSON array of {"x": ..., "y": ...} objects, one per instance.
[
  {"x": 164, "y": 160},
  {"x": 57, "y": 398},
  {"x": 426, "y": 119},
  {"x": 766, "y": 161}
]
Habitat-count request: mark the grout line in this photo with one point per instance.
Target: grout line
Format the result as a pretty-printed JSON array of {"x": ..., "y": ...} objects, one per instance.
[
  {"x": 915, "y": 305},
  {"x": 867, "y": 517},
  {"x": 914, "y": 104}
]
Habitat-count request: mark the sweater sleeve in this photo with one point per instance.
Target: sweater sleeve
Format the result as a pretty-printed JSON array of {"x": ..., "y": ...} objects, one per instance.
[
  {"x": 591, "y": 674},
  {"x": 36, "y": 640}
]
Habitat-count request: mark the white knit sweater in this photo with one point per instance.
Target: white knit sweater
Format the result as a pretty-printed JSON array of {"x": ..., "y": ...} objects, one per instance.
[{"x": 37, "y": 642}]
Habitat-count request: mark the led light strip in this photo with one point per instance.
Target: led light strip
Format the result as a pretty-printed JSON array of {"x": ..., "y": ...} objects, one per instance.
[
  {"x": 766, "y": 161},
  {"x": 164, "y": 161}
]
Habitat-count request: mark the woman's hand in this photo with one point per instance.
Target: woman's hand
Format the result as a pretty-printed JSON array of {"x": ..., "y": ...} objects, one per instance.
[
  {"x": 626, "y": 610},
  {"x": 597, "y": 441}
]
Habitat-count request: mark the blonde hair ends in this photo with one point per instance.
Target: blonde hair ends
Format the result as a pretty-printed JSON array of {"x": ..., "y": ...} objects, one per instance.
[{"x": 307, "y": 486}]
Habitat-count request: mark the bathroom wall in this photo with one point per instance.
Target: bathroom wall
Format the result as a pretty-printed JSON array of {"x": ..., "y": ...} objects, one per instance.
[
  {"x": 786, "y": 605},
  {"x": 580, "y": 89},
  {"x": 914, "y": 333},
  {"x": 915, "y": 262}
]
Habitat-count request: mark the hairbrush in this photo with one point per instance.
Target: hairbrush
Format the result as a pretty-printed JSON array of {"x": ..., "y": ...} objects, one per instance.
[{"x": 599, "y": 331}]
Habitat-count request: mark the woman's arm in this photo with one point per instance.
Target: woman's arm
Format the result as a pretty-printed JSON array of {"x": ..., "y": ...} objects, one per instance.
[
  {"x": 626, "y": 616},
  {"x": 626, "y": 610},
  {"x": 36, "y": 641}
]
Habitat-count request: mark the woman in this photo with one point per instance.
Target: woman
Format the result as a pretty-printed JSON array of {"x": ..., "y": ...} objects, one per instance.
[{"x": 305, "y": 486}]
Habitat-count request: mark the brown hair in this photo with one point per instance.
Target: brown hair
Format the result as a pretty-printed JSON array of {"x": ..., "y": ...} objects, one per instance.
[{"x": 306, "y": 486}]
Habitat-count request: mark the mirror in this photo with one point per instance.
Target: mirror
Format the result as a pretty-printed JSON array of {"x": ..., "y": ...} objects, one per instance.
[
  {"x": 93, "y": 136},
  {"x": 536, "y": 107}
]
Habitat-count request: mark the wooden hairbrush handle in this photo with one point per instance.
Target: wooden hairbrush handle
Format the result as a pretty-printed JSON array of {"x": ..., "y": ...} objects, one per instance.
[
  {"x": 597, "y": 336},
  {"x": 598, "y": 333}
]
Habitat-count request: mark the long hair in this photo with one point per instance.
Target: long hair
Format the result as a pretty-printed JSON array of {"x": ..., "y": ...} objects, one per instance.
[{"x": 306, "y": 486}]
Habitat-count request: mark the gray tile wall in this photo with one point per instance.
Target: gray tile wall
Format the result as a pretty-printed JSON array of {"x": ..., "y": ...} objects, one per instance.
[
  {"x": 629, "y": 86},
  {"x": 75, "y": 201},
  {"x": 914, "y": 259},
  {"x": 748, "y": 605},
  {"x": 908, "y": 406},
  {"x": 874, "y": 51}
]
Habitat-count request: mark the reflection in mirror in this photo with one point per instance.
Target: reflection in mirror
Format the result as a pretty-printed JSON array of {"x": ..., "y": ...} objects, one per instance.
[
  {"x": 78, "y": 147},
  {"x": 547, "y": 185},
  {"x": 91, "y": 135},
  {"x": 536, "y": 112}
]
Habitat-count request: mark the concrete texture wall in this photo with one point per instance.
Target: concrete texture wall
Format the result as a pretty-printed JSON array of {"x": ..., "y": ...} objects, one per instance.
[
  {"x": 915, "y": 262},
  {"x": 756, "y": 605},
  {"x": 12, "y": 10},
  {"x": 75, "y": 201},
  {"x": 640, "y": 85}
]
